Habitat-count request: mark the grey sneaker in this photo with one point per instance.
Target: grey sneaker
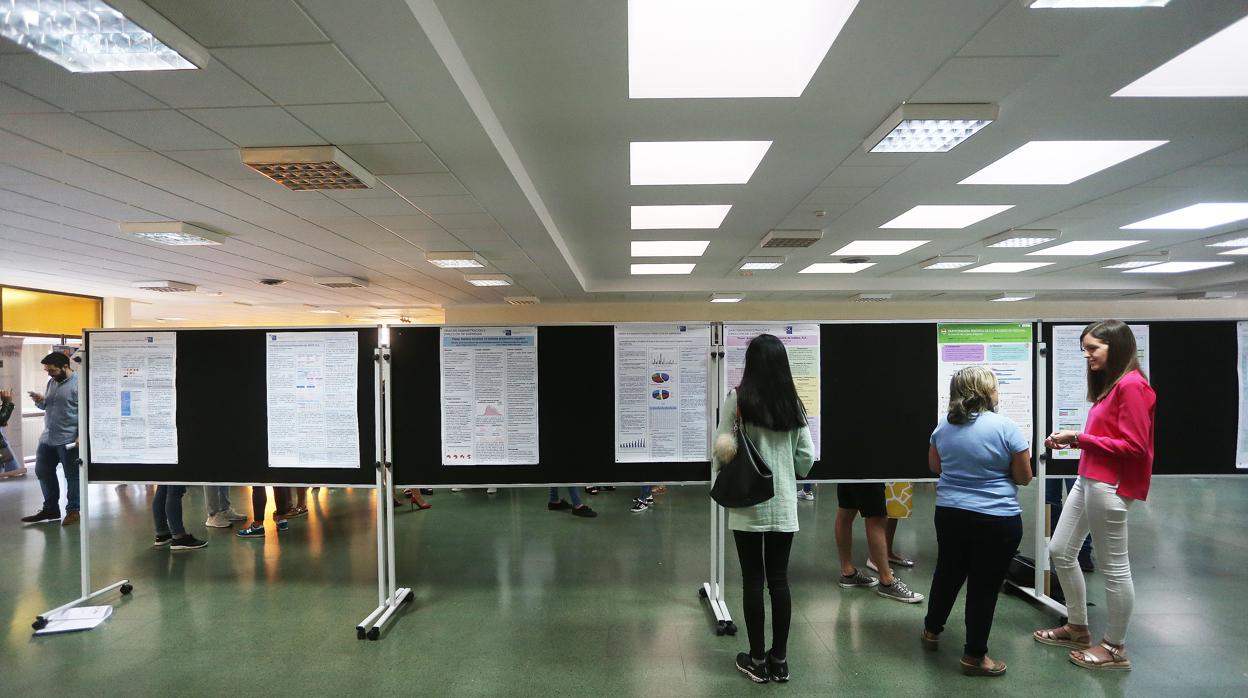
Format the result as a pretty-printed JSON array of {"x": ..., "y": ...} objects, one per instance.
[
  {"x": 898, "y": 591},
  {"x": 858, "y": 579}
]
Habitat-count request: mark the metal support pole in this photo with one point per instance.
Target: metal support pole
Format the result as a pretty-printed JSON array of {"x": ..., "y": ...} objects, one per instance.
[{"x": 361, "y": 628}]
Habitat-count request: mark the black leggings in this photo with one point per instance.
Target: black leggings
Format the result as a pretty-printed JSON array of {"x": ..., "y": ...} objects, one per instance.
[
  {"x": 976, "y": 549},
  {"x": 765, "y": 556}
]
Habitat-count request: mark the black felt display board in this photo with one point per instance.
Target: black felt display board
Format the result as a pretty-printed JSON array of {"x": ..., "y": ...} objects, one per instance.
[
  {"x": 223, "y": 419},
  {"x": 576, "y": 414},
  {"x": 1193, "y": 371}
]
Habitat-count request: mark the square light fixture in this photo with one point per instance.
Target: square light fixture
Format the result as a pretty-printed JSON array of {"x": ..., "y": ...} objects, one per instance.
[
  {"x": 324, "y": 311},
  {"x": 100, "y": 37},
  {"x": 309, "y": 168},
  {"x": 929, "y": 128},
  {"x": 488, "y": 279},
  {"x": 879, "y": 247},
  {"x": 1177, "y": 267},
  {"x": 1017, "y": 239},
  {"x": 455, "y": 260},
  {"x": 1215, "y": 67},
  {"x": 669, "y": 248},
  {"x": 1007, "y": 267},
  {"x": 1205, "y": 295},
  {"x": 762, "y": 263},
  {"x": 340, "y": 281},
  {"x": 1012, "y": 297},
  {"x": 725, "y": 298},
  {"x": 1104, "y": 4},
  {"x": 647, "y": 269},
  {"x": 1240, "y": 241},
  {"x": 1195, "y": 217},
  {"x": 872, "y": 297},
  {"x": 164, "y": 286},
  {"x": 1083, "y": 248},
  {"x": 729, "y": 49},
  {"x": 1135, "y": 261},
  {"x": 793, "y": 239},
  {"x": 173, "y": 233},
  {"x": 695, "y": 162},
  {"x": 836, "y": 268},
  {"x": 945, "y": 216},
  {"x": 1059, "y": 162},
  {"x": 680, "y": 216},
  {"x": 1238, "y": 251},
  {"x": 949, "y": 262}
]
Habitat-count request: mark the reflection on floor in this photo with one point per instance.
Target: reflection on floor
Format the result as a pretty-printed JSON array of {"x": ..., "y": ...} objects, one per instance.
[{"x": 512, "y": 599}]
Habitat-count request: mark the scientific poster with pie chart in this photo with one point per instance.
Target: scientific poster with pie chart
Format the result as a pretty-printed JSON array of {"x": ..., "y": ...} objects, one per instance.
[
  {"x": 489, "y": 395},
  {"x": 802, "y": 342},
  {"x": 661, "y": 374},
  {"x": 1005, "y": 348}
]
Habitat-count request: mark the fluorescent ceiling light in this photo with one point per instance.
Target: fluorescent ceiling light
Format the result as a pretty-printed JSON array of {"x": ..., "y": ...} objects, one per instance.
[
  {"x": 695, "y": 162},
  {"x": 172, "y": 319},
  {"x": 944, "y": 216},
  {"x": 700, "y": 216},
  {"x": 1177, "y": 267},
  {"x": 97, "y": 37},
  {"x": 929, "y": 128},
  {"x": 725, "y": 298},
  {"x": 1194, "y": 217},
  {"x": 172, "y": 233},
  {"x": 872, "y": 297},
  {"x": 1205, "y": 295},
  {"x": 1012, "y": 297},
  {"x": 1014, "y": 239},
  {"x": 1216, "y": 67},
  {"x": 1076, "y": 248},
  {"x": 762, "y": 263},
  {"x": 879, "y": 247},
  {"x": 323, "y": 311},
  {"x": 1058, "y": 162},
  {"x": 1007, "y": 267},
  {"x": 455, "y": 260},
  {"x": 729, "y": 48},
  {"x": 488, "y": 279},
  {"x": 309, "y": 168},
  {"x": 949, "y": 262},
  {"x": 669, "y": 248},
  {"x": 1135, "y": 261},
  {"x": 1080, "y": 4},
  {"x": 1240, "y": 251},
  {"x": 640, "y": 269},
  {"x": 836, "y": 268},
  {"x": 1230, "y": 242}
]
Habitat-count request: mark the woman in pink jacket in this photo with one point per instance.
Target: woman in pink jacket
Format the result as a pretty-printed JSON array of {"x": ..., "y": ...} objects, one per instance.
[{"x": 1115, "y": 467}]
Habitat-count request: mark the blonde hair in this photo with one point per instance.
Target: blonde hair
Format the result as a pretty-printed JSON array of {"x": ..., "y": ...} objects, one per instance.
[{"x": 970, "y": 392}]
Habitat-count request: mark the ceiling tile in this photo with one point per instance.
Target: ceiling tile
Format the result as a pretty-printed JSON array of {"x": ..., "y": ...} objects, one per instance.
[
  {"x": 14, "y": 101},
  {"x": 219, "y": 164},
  {"x": 240, "y": 22},
  {"x": 467, "y": 221},
  {"x": 74, "y": 91},
  {"x": 214, "y": 85},
  {"x": 436, "y": 205},
  {"x": 980, "y": 79},
  {"x": 832, "y": 196},
  {"x": 163, "y": 129},
  {"x": 66, "y": 132},
  {"x": 411, "y": 185},
  {"x": 12, "y": 175},
  {"x": 256, "y": 126},
  {"x": 393, "y": 206},
  {"x": 411, "y": 223},
  {"x": 376, "y": 122},
  {"x": 394, "y": 158},
  {"x": 316, "y": 74},
  {"x": 860, "y": 176}
]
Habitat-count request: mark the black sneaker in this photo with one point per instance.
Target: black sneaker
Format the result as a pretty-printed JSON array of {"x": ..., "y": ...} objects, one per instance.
[
  {"x": 584, "y": 510},
  {"x": 777, "y": 668},
  {"x": 592, "y": 490},
  {"x": 559, "y": 505},
  {"x": 187, "y": 542},
  {"x": 42, "y": 516},
  {"x": 756, "y": 672},
  {"x": 161, "y": 540}
]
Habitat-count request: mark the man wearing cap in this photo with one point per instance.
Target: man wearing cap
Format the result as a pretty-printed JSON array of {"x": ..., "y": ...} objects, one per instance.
[{"x": 59, "y": 441}]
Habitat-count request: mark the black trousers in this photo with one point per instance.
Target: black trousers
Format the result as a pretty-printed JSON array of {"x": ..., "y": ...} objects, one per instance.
[
  {"x": 974, "y": 549},
  {"x": 765, "y": 557}
]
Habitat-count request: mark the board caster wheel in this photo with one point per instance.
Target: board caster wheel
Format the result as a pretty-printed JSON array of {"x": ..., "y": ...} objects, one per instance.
[
  {"x": 411, "y": 596},
  {"x": 374, "y": 633},
  {"x": 702, "y": 592},
  {"x": 359, "y": 632},
  {"x": 720, "y": 627},
  {"x": 39, "y": 624},
  {"x": 730, "y": 628},
  {"x": 126, "y": 589}
]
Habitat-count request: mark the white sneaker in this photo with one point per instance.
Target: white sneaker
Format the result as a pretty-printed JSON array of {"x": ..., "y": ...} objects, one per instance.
[
  {"x": 457, "y": 489},
  {"x": 218, "y": 520},
  {"x": 806, "y": 496},
  {"x": 491, "y": 490},
  {"x": 234, "y": 515}
]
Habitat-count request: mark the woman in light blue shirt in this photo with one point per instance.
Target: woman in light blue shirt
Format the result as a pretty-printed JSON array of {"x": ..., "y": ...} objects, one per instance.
[{"x": 981, "y": 458}]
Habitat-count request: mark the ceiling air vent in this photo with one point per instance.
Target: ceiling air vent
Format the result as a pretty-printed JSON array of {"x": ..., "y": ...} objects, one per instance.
[
  {"x": 791, "y": 238},
  {"x": 164, "y": 286},
  {"x": 310, "y": 168},
  {"x": 521, "y": 300},
  {"x": 271, "y": 282},
  {"x": 340, "y": 282}
]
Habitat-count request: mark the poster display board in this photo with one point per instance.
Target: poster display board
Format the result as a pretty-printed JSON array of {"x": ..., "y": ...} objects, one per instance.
[
  {"x": 802, "y": 342},
  {"x": 1005, "y": 348},
  {"x": 661, "y": 374},
  {"x": 1241, "y": 442},
  {"x": 312, "y": 382},
  {"x": 489, "y": 395},
  {"x": 133, "y": 409},
  {"x": 1070, "y": 383}
]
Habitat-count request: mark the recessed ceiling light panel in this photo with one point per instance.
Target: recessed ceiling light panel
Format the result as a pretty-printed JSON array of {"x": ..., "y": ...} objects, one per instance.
[
  {"x": 455, "y": 260},
  {"x": 949, "y": 262},
  {"x": 836, "y": 268},
  {"x": 669, "y": 248},
  {"x": 725, "y": 298},
  {"x": 679, "y": 217},
  {"x": 1240, "y": 251},
  {"x": 174, "y": 233},
  {"x": 1012, "y": 297},
  {"x": 879, "y": 247},
  {"x": 1215, "y": 67},
  {"x": 309, "y": 168},
  {"x": 1059, "y": 162},
  {"x": 1078, "y": 248},
  {"x": 872, "y": 297},
  {"x": 762, "y": 263},
  {"x": 929, "y": 128},
  {"x": 1135, "y": 261},
  {"x": 944, "y": 216},
  {"x": 1195, "y": 217},
  {"x": 1177, "y": 267},
  {"x": 1016, "y": 239},
  {"x": 695, "y": 162},
  {"x": 1229, "y": 242},
  {"x": 488, "y": 279},
  {"x": 1085, "y": 4},
  {"x": 1006, "y": 267},
  {"x": 649, "y": 269}
]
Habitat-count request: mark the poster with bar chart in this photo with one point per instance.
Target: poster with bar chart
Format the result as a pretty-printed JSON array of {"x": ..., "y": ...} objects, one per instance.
[{"x": 661, "y": 383}]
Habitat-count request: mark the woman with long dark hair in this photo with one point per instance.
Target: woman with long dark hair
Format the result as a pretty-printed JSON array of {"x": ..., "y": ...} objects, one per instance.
[
  {"x": 1115, "y": 469},
  {"x": 774, "y": 418}
]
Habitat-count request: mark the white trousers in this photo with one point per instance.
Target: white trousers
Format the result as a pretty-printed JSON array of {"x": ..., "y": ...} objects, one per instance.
[{"x": 1095, "y": 506}]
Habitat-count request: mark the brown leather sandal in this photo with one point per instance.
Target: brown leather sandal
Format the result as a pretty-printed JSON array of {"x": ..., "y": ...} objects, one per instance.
[
  {"x": 1116, "y": 661},
  {"x": 1062, "y": 636},
  {"x": 975, "y": 667}
]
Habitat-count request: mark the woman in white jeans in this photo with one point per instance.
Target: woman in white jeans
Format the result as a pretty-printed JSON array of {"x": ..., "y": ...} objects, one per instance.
[{"x": 1115, "y": 467}]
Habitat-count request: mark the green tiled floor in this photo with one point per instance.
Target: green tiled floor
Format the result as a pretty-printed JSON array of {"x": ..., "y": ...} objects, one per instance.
[{"x": 513, "y": 600}]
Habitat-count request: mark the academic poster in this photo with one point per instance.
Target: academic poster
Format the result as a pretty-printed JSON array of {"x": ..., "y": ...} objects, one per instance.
[
  {"x": 132, "y": 411},
  {"x": 489, "y": 395},
  {"x": 1241, "y": 442},
  {"x": 313, "y": 382},
  {"x": 1005, "y": 348},
  {"x": 660, "y": 392},
  {"x": 802, "y": 342},
  {"x": 1070, "y": 378}
]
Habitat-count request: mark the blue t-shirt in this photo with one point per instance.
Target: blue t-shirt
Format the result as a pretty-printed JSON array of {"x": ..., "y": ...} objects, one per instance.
[{"x": 975, "y": 464}]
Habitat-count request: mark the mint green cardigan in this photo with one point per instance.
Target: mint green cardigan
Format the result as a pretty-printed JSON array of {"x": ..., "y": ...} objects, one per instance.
[{"x": 788, "y": 453}]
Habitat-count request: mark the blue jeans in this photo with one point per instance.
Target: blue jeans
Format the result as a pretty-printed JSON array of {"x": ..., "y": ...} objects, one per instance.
[
  {"x": 217, "y": 498},
  {"x": 572, "y": 494},
  {"x": 8, "y": 459},
  {"x": 167, "y": 510},
  {"x": 46, "y": 458},
  {"x": 645, "y": 490}
]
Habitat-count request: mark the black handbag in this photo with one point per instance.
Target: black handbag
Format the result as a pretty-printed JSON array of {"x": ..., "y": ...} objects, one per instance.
[{"x": 746, "y": 479}]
